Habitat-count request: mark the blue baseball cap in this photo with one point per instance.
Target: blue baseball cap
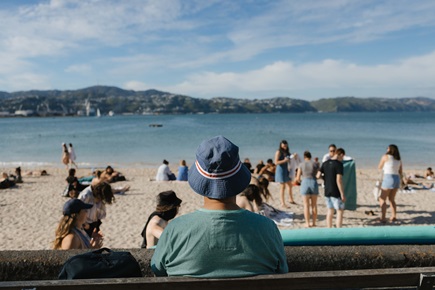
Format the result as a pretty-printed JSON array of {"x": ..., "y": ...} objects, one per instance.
[{"x": 75, "y": 205}]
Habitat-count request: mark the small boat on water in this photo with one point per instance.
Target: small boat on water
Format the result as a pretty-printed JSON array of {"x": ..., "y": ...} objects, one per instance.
[{"x": 155, "y": 125}]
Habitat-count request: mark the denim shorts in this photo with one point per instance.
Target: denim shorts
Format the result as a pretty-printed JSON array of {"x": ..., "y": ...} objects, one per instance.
[
  {"x": 334, "y": 202},
  {"x": 390, "y": 181},
  {"x": 309, "y": 186}
]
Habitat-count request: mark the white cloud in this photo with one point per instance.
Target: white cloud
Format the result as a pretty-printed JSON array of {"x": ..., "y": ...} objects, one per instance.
[
  {"x": 79, "y": 68},
  {"x": 330, "y": 76},
  {"x": 135, "y": 86}
]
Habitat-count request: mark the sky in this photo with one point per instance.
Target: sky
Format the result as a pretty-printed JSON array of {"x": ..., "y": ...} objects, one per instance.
[{"x": 249, "y": 49}]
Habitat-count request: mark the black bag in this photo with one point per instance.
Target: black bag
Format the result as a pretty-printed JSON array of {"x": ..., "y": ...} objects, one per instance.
[{"x": 95, "y": 264}]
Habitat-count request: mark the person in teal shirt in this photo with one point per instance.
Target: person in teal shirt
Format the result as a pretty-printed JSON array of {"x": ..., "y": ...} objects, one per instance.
[{"x": 220, "y": 240}]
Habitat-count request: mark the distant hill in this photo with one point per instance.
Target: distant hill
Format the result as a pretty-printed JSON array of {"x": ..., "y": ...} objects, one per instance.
[
  {"x": 351, "y": 104},
  {"x": 107, "y": 99}
]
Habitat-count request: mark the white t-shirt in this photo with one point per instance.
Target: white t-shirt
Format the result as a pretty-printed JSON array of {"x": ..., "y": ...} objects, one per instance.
[{"x": 163, "y": 173}]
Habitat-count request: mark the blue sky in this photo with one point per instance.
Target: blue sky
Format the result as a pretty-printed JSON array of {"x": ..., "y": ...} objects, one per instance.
[{"x": 251, "y": 49}]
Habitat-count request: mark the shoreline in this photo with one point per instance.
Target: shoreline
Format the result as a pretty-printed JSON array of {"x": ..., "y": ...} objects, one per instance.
[{"x": 30, "y": 212}]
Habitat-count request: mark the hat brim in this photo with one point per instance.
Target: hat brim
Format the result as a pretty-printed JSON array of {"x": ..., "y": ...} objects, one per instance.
[
  {"x": 87, "y": 205},
  {"x": 219, "y": 188}
]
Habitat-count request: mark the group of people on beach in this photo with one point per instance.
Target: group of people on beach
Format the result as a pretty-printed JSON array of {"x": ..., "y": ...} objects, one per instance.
[
  {"x": 79, "y": 227},
  {"x": 225, "y": 236}
]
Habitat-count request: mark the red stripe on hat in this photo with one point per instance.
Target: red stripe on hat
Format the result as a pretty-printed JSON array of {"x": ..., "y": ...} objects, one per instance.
[{"x": 221, "y": 175}]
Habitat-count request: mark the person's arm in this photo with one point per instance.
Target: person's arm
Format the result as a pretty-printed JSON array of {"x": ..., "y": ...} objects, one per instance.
[
  {"x": 340, "y": 186},
  {"x": 277, "y": 161},
  {"x": 156, "y": 227},
  {"x": 298, "y": 175},
  {"x": 158, "y": 261},
  {"x": 382, "y": 162},
  {"x": 319, "y": 173},
  {"x": 243, "y": 202}
]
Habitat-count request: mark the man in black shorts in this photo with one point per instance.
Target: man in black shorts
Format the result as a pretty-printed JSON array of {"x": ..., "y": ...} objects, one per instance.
[{"x": 332, "y": 171}]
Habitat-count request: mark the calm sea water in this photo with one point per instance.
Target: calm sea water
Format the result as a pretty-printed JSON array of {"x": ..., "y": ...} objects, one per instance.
[{"x": 130, "y": 141}]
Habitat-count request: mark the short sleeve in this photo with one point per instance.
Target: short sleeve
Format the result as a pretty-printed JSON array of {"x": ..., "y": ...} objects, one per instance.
[{"x": 158, "y": 265}]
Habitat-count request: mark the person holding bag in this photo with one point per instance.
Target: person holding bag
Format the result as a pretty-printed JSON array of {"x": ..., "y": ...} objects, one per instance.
[{"x": 70, "y": 233}]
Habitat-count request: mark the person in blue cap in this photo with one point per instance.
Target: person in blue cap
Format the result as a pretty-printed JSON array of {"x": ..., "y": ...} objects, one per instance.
[
  {"x": 220, "y": 240},
  {"x": 70, "y": 233}
]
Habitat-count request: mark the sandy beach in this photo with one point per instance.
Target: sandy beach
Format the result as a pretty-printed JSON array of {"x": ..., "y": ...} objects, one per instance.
[{"x": 30, "y": 212}]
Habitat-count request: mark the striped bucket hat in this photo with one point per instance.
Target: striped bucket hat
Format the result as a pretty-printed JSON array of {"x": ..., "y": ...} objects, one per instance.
[{"x": 218, "y": 172}]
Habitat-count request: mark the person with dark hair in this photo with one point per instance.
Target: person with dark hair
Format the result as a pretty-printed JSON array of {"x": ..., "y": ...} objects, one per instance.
[
  {"x": 429, "y": 174},
  {"x": 282, "y": 158},
  {"x": 391, "y": 165},
  {"x": 167, "y": 208},
  {"x": 5, "y": 182},
  {"x": 309, "y": 189},
  {"x": 73, "y": 182},
  {"x": 164, "y": 173},
  {"x": 220, "y": 240},
  {"x": 258, "y": 167},
  {"x": 70, "y": 233},
  {"x": 98, "y": 195},
  {"x": 332, "y": 171},
  {"x": 65, "y": 155},
  {"x": 330, "y": 154},
  {"x": 18, "y": 177},
  {"x": 268, "y": 170},
  {"x": 248, "y": 165},
  {"x": 72, "y": 156},
  {"x": 110, "y": 175}
]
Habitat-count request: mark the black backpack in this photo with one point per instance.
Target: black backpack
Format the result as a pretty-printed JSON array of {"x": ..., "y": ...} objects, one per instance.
[{"x": 97, "y": 264}]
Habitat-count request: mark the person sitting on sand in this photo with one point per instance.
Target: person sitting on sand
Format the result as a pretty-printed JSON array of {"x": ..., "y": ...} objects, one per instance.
[
  {"x": 5, "y": 182},
  {"x": 258, "y": 167},
  {"x": 98, "y": 195},
  {"x": 164, "y": 173},
  {"x": 167, "y": 208},
  {"x": 220, "y": 240},
  {"x": 183, "y": 171},
  {"x": 268, "y": 170},
  {"x": 110, "y": 175},
  {"x": 429, "y": 174},
  {"x": 73, "y": 182},
  {"x": 17, "y": 178},
  {"x": 116, "y": 190},
  {"x": 70, "y": 233}
]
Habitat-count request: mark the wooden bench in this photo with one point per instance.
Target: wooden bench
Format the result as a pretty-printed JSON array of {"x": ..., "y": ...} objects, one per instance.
[{"x": 421, "y": 278}]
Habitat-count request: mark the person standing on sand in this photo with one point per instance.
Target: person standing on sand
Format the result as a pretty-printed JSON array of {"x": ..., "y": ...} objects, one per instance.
[
  {"x": 282, "y": 159},
  {"x": 220, "y": 240},
  {"x": 65, "y": 155},
  {"x": 72, "y": 155},
  {"x": 309, "y": 188},
  {"x": 332, "y": 171},
  {"x": 330, "y": 153},
  {"x": 391, "y": 165}
]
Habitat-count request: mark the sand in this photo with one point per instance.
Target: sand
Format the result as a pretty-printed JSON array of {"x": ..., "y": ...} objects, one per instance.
[{"x": 30, "y": 212}]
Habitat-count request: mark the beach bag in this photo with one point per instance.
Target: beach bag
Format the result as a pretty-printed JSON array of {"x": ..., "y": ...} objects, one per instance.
[
  {"x": 97, "y": 264},
  {"x": 377, "y": 190}
]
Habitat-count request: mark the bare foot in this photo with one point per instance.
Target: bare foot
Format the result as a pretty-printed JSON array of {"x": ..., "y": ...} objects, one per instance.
[
  {"x": 393, "y": 219},
  {"x": 284, "y": 206},
  {"x": 292, "y": 202}
]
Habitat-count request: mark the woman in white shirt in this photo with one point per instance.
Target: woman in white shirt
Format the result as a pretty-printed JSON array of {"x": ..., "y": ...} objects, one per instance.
[{"x": 391, "y": 165}]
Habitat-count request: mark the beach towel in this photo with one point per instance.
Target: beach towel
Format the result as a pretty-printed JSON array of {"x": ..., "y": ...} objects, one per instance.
[{"x": 281, "y": 218}]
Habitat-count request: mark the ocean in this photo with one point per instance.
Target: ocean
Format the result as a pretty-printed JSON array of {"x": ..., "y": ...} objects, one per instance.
[{"x": 130, "y": 141}]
